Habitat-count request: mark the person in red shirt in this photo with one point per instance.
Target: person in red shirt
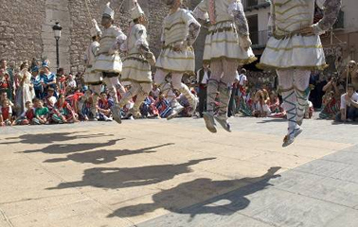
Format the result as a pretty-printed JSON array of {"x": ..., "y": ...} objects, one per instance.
[
  {"x": 5, "y": 113},
  {"x": 66, "y": 110},
  {"x": 104, "y": 108},
  {"x": 27, "y": 116}
]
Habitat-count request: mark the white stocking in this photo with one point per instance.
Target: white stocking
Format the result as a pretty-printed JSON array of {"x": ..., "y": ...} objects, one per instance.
[
  {"x": 302, "y": 90},
  {"x": 285, "y": 78}
]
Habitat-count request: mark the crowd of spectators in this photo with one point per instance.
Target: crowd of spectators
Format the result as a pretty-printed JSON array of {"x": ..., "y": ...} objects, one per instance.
[{"x": 32, "y": 94}]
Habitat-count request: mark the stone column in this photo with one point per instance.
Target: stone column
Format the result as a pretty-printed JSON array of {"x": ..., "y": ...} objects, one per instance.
[{"x": 57, "y": 11}]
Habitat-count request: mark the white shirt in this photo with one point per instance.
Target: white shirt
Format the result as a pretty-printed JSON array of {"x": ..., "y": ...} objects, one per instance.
[
  {"x": 344, "y": 102},
  {"x": 243, "y": 79},
  {"x": 205, "y": 77}
]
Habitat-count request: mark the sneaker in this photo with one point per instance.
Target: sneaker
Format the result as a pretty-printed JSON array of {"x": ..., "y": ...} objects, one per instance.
[
  {"x": 209, "y": 122},
  {"x": 116, "y": 112},
  {"x": 108, "y": 118},
  {"x": 135, "y": 113},
  {"x": 290, "y": 138},
  {"x": 175, "y": 112},
  {"x": 224, "y": 123}
]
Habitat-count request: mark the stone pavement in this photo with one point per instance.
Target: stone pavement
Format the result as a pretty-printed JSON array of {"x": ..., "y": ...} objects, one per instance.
[{"x": 154, "y": 173}]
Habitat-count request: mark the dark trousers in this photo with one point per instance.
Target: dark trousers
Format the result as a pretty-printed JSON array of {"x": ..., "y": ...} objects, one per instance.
[
  {"x": 202, "y": 99},
  {"x": 232, "y": 103},
  {"x": 352, "y": 113}
]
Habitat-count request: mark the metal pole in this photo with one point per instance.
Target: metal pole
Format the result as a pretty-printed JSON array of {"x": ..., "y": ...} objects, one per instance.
[{"x": 57, "y": 54}]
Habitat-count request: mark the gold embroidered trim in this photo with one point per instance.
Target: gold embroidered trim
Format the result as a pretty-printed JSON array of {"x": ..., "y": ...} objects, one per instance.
[
  {"x": 222, "y": 41},
  {"x": 295, "y": 47},
  {"x": 135, "y": 68},
  {"x": 241, "y": 61},
  {"x": 291, "y": 8},
  {"x": 272, "y": 67}
]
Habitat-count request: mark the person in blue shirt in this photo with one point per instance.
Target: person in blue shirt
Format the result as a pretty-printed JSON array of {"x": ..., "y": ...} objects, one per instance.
[
  {"x": 49, "y": 79},
  {"x": 37, "y": 81}
]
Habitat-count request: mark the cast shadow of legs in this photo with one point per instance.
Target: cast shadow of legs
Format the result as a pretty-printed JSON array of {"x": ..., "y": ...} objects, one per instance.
[
  {"x": 104, "y": 156},
  {"x": 203, "y": 189},
  {"x": 114, "y": 178},
  {"x": 52, "y": 137},
  {"x": 71, "y": 148}
]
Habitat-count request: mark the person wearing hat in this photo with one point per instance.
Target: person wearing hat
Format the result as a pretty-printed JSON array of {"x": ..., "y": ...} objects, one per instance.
[
  {"x": 180, "y": 30},
  {"x": 137, "y": 64},
  {"x": 36, "y": 82},
  {"x": 227, "y": 47},
  {"x": 48, "y": 78},
  {"x": 108, "y": 61},
  {"x": 91, "y": 78},
  {"x": 294, "y": 50}
]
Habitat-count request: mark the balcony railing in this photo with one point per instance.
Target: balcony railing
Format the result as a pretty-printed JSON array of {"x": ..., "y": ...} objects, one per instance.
[{"x": 259, "y": 38}]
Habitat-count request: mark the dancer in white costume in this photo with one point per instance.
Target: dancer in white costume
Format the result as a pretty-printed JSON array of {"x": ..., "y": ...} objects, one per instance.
[
  {"x": 93, "y": 79},
  {"x": 137, "y": 64},
  {"x": 180, "y": 30},
  {"x": 108, "y": 61},
  {"x": 227, "y": 46},
  {"x": 294, "y": 50}
]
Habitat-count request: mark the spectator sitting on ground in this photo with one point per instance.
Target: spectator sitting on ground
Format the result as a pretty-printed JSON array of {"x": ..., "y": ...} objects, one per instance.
[
  {"x": 349, "y": 105},
  {"x": 41, "y": 114},
  {"x": 163, "y": 106},
  {"x": 261, "y": 108},
  {"x": 50, "y": 94},
  {"x": 55, "y": 117},
  {"x": 66, "y": 110},
  {"x": 27, "y": 116},
  {"x": 148, "y": 108},
  {"x": 330, "y": 100},
  {"x": 104, "y": 108},
  {"x": 5, "y": 113}
]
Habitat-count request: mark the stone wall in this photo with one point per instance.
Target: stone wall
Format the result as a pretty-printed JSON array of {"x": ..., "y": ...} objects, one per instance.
[{"x": 20, "y": 29}]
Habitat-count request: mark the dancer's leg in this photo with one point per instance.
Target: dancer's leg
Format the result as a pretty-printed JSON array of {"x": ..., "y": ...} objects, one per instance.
[
  {"x": 285, "y": 78},
  {"x": 135, "y": 87},
  {"x": 96, "y": 89},
  {"x": 111, "y": 83},
  {"x": 302, "y": 90},
  {"x": 177, "y": 84},
  {"x": 225, "y": 89},
  {"x": 166, "y": 90},
  {"x": 143, "y": 92},
  {"x": 212, "y": 89}
]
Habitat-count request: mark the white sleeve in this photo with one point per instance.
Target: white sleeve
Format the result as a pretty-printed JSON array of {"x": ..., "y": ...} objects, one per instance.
[
  {"x": 201, "y": 11},
  {"x": 343, "y": 102}
]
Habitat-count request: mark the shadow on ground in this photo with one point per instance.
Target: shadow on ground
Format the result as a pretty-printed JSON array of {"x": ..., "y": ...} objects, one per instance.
[
  {"x": 113, "y": 178},
  {"x": 51, "y": 137},
  {"x": 226, "y": 204},
  {"x": 71, "y": 148},
  {"x": 104, "y": 156}
]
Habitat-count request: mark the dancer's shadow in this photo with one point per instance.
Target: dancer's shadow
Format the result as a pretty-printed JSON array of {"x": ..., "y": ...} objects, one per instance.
[
  {"x": 234, "y": 200},
  {"x": 104, "y": 156},
  {"x": 51, "y": 138},
  {"x": 71, "y": 148},
  {"x": 114, "y": 178},
  {"x": 272, "y": 120}
]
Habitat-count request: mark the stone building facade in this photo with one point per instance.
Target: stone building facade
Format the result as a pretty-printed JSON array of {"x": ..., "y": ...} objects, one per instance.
[{"x": 26, "y": 28}]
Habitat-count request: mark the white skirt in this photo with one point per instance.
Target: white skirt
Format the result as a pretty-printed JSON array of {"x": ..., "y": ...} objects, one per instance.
[
  {"x": 92, "y": 78},
  {"x": 177, "y": 61},
  {"x": 304, "y": 52},
  {"x": 108, "y": 63},
  {"x": 222, "y": 41},
  {"x": 136, "y": 69}
]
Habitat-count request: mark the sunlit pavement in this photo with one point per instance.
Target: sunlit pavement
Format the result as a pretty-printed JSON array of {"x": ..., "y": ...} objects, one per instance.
[{"x": 175, "y": 173}]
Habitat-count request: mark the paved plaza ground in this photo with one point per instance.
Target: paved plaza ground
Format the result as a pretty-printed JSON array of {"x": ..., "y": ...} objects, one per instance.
[{"x": 155, "y": 173}]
